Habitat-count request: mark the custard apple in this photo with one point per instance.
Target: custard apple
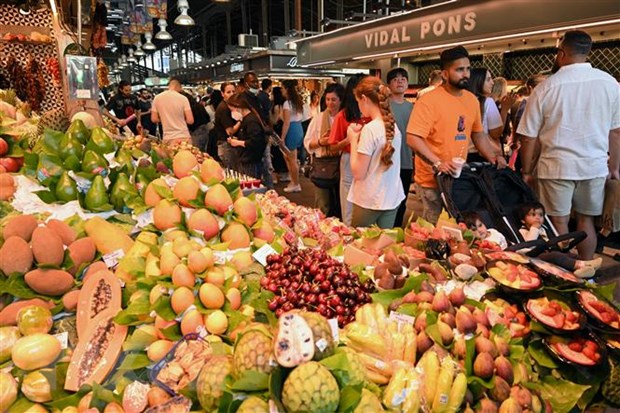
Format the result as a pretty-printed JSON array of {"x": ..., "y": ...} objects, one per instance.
[
  {"x": 611, "y": 387},
  {"x": 356, "y": 371},
  {"x": 253, "y": 351},
  {"x": 311, "y": 388},
  {"x": 253, "y": 404},
  {"x": 324, "y": 345},
  {"x": 209, "y": 385},
  {"x": 294, "y": 343},
  {"x": 369, "y": 403}
]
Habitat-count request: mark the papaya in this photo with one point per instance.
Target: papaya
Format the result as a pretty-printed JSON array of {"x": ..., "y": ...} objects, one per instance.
[
  {"x": 35, "y": 351},
  {"x": 97, "y": 351},
  {"x": 107, "y": 236},
  {"x": 49, "y": 282},
  {"x": 66, "y": 189},
  {"x": 100, "y": 291}
]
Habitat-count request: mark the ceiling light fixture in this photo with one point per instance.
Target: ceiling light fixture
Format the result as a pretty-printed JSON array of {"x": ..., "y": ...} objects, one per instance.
[
  {"x": 148, "y": 44},
  {"x": 184, "y": 19},
  {"x": 163, "y": 34},
  {"x": 131, "y": 58},
  {"x": 139, "y": 52}
]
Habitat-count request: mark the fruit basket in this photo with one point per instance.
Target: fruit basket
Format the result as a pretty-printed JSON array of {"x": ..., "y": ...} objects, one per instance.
[
  {"x": 578, "y": 351},
  {"x": 554, "y": 274},
  {"x": 555, "y": 313},
  {"x": 602, "y": 314},
  {"x": 513, "y": 276},
  {"x": 181, "y": 364}
]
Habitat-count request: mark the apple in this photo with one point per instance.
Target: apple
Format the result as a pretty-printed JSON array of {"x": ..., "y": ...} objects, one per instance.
[
  {"x": 10, "y": 164},
  {"x": 4, "y": 147}
]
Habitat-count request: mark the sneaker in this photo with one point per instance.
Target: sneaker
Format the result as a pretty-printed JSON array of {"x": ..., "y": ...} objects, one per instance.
[
  {"x": 595, "y": 263},
  {"x": 292, "y": 188},
  {"x": 585, "y": 272}
]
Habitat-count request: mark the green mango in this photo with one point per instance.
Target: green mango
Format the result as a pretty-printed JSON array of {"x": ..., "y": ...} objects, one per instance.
[
  {"x": 122, "y": 189},
  {"x": 72, "y": 163},
  {"x": 94, "y": 163},
  {"x": 69, "y": 145},
  {"x": 48, "y": 168},
  {"x": 51, "y": 141},
  {"x": 100, "y": 142},
  {"x": 79, "y": 131},
  {"x": 96, "y": 197},
  {"x": 66, "y": 190}
]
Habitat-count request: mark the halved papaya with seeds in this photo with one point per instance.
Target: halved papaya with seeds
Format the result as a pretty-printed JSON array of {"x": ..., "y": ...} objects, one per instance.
[
  {"x": 100, "y": 290},
  {"x": 97, "y": 351}
]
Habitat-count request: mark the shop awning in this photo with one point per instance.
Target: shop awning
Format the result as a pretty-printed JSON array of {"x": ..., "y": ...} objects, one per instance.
[{"x": 453, "y": 23}]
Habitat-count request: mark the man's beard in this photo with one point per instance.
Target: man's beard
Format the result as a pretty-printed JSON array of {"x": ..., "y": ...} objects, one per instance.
[{"x": 461, "y": 84}]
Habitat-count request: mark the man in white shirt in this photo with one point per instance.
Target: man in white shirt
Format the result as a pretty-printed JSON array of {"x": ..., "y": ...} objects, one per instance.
[
  {"x": 575, "y": 114},
  {"x": 172, "y": 109},
  {"x": 434, "y": 80}
]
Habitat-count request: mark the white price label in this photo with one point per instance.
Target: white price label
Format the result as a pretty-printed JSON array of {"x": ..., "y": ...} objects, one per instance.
[
  {"x": 63, "y": 338},
  {"x": 333, "y": 324},
  {"x": 111, "y": 259},
  {"x": 401, "y": 318},
  {"x": 321, "y": 344},
  {"x": 262, "y": 253}
]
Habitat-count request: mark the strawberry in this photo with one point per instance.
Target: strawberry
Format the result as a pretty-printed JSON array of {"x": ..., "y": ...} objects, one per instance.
[
  {"x": 521, "y": 318},
  {"x": 606, "y": 318},
  {"x": 571, "y": 316},
  {"x": 558, "y": 320},
  {"x": 589, "y": 353},
  {"x": 575, "y": 346},
  {"x": 549, "y": 311}
]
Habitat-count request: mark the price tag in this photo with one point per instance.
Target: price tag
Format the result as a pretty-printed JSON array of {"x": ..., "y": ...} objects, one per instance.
[
  {"x": 333, "y": 324},
  {"x": 262, "y": 253},
  {"x": 63, "y": 338},
  {"x": 82, "y": 94},
  {"x": 111, "y": 259},
  {"x": 321, "y": 344},
  {"x": 401, "y": 318}
]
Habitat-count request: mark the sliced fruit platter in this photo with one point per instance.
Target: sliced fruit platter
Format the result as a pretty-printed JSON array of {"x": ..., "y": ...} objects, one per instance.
[
  {"x": 507, "y": 255},
  {"x": 581, "y": 351},
  {"x": 514, "y": 276},
  {"x": 553, "y": 272},
  {"x": 555, "y": 314},
  {"x": 499, "y": 311},
  {"x": 603, "y": 313}
]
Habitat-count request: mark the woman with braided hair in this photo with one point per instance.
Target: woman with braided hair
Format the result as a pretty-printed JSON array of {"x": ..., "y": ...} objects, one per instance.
[{"x": 376, "y": 192}]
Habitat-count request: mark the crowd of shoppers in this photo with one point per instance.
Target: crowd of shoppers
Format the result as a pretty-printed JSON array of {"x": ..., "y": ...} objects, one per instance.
[{"x": 562, "y": 131}]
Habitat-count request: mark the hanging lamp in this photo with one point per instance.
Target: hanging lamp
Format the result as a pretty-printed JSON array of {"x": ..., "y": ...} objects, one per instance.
[
  {"x": 163, "y": 34},
  {"x": 184, "y": 19}
]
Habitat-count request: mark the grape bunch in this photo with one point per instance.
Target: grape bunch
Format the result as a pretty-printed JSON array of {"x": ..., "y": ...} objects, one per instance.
[{"x": 312, "y": 280}]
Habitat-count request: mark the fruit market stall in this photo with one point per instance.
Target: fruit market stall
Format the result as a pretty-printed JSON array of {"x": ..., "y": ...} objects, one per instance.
[{"x": 139, "y": 278}]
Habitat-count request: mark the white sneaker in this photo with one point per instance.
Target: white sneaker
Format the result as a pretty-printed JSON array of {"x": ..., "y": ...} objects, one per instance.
[{"x": 292, "y": 188}]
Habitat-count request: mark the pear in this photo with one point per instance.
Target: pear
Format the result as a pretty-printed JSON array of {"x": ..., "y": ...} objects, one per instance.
[
  {"x": 70, "y": 146},
  {"x": 121, "y": 189},
  {"x": 100, "y": 142},
  {"x": 96, "y": 197},
  {"x": 79, "y": 131},
  {"x": 66, "y": 189},
  {"x": 93, "y": 163}
]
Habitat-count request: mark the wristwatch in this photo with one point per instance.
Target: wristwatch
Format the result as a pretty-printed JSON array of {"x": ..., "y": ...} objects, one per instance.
[{"x": 436, "y": 166}]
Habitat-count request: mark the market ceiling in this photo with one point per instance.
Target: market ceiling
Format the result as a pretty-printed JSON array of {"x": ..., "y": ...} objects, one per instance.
[{"x": 246, "y": 15}]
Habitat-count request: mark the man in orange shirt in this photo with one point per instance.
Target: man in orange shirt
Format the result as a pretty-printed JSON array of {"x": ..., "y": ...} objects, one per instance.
[{"x": 440, "y": 127}]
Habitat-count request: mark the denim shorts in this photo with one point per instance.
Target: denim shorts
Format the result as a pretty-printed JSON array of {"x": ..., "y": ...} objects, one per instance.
[{"x": 295, "y": 136}]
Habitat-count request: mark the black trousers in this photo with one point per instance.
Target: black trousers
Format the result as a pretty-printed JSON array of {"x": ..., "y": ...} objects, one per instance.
[{"x": 406, "y": 176}]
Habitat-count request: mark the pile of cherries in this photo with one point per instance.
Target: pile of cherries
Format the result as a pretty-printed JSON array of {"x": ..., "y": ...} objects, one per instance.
[{"x": 312, "y": 280}]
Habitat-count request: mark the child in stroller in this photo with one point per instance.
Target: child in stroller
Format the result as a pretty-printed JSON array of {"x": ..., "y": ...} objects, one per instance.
[
  {"x": 531, "y": 215},
  {"x": 582, "y": 269}
]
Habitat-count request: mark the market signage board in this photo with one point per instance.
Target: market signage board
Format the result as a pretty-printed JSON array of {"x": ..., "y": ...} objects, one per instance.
[{"x": 450, "y": 23}]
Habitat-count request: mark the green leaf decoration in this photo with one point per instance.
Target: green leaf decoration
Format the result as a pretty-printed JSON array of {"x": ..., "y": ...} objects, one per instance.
[
  {"x": 349, "y": 398},
  {"x": 251, "y": 381},
  {"x": 563, "y": 395},
  {"x": 102, "y": 397},
  {"x": 537, "y": 351},
  {"x": 138, "y": 340},
  {"x": 163, "y": 308},
  {"x": 385, "y": 298},
  {"x": 134, "y": 361},
  {"x": 173, "y": 332}
]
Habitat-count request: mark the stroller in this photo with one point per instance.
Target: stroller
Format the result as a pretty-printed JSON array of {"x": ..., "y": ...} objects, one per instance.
[
  {"x": 470, "y": 193},
  {"x": 504, "y": 192}
]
